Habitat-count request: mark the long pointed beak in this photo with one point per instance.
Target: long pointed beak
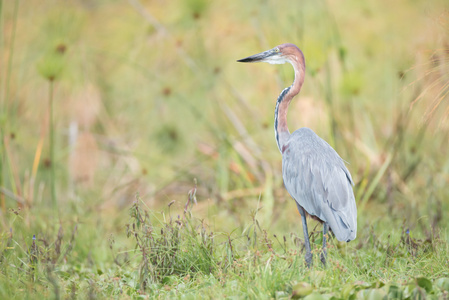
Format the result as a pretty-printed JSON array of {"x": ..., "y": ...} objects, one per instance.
[{"x": 258, "y": 57}]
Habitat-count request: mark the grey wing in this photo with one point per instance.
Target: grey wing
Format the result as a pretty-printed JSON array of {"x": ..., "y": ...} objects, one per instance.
[{"x": 317, "y": 178}]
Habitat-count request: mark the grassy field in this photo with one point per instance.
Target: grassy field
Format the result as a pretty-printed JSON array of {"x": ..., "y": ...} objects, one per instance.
[{"x": 138, "y": 159}]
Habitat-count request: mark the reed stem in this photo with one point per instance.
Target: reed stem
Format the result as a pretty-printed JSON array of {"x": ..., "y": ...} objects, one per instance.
[
  {"x": 3, "y": 102},
  {"x": 52, "y": 146}
]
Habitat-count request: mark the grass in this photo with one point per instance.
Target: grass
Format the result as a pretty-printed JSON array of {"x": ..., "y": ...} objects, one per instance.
[
  {"x": 171, "y": 256},
  {"x": 148, "y": 100}
]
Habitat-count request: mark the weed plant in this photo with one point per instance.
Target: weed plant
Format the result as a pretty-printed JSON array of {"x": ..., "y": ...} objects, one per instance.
[{"x": 177, "y": 256}]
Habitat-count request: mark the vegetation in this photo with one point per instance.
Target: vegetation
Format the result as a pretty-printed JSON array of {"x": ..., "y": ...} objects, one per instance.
[{"x": 137, "y": 159}]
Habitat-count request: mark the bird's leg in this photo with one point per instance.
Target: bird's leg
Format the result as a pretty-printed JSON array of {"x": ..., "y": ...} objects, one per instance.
[
  {"x": 306, "y": 235},
  {"x": 324, "y": 251}
]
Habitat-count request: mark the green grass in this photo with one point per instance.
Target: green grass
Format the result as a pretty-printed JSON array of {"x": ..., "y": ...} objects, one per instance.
[
  {"x": 147, "y": 99},
  {"x": 178, "y": 256}
]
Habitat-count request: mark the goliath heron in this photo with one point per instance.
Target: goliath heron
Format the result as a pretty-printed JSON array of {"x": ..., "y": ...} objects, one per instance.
[{"x": 314, "y": 174}]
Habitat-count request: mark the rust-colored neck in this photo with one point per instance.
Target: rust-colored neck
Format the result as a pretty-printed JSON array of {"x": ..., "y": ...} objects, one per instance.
[{"x": 280, "y": 113}]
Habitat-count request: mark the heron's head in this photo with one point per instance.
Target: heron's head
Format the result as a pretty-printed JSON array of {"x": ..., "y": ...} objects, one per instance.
[{"x": 278, "y": 55}]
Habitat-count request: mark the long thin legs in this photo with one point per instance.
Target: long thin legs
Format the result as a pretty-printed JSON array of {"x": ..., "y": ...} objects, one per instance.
[
  {"x": 323, "y": 255},
  {"x": 306, "y": 236},
  {"x": 308, "y": 257}
]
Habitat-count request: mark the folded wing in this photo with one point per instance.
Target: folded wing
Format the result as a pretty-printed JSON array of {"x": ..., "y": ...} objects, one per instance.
[{"x": 317, "y": 178}]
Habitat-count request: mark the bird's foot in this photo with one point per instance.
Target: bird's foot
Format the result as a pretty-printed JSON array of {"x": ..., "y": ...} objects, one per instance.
[
  {"x": 309, "y": 259},
  {"x": 323, "y": 257}
]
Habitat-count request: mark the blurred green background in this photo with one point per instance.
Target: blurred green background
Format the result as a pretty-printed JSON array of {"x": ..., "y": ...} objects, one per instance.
[{"x": 148, "y": 97}]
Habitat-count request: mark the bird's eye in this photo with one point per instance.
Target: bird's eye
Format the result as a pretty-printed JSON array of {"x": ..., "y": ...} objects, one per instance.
[{"x": 276, "y": 49}]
